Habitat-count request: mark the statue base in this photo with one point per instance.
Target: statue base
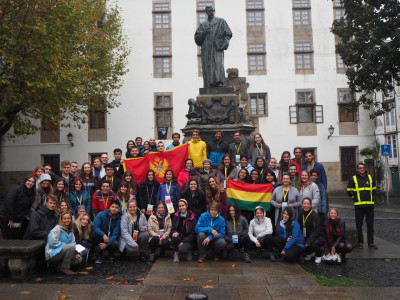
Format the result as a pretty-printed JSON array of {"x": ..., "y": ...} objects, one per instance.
[{"x": 216, "y": 90}]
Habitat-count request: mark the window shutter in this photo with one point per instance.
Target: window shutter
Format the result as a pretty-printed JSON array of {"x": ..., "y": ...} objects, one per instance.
[
  {"x": 293, "y": 114},
  {"x": 319, "y": 114}
]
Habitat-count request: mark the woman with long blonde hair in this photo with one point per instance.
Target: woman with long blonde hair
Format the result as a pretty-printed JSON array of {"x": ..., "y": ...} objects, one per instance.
[{"x": 83, "y": 232}]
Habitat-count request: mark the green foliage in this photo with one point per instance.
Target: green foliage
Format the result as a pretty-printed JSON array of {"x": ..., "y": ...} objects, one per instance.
[
  {"x": 339, "y": 281},
  {"x": 372, "y": 151},
  {"x": 58, "y": 59},
  {"x": 370, "y": 47}
]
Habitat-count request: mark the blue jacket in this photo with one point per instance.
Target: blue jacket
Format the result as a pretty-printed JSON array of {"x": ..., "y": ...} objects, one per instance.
[
  {"x": 104, "y": 225},
  {"x": 322, "y": 198},
  {"x": 86, "y": 201},
  {"x": 56, "y": 240},
  {"x": 174, "y": 193},
  {"x": 322, "y": 174},
  {"x": 216, "y": 151},
  {"x": 206, "y": 224},
  {"x": 296, "y": 234}
]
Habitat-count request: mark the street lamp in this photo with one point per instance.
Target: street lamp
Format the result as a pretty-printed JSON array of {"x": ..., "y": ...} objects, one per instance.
[
  {"x": 70, "y": 138},
  {"x": 331, "y": 129}
]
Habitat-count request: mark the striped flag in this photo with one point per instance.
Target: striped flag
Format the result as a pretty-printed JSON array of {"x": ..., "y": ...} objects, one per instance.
[{"x": 248, "y": 196}]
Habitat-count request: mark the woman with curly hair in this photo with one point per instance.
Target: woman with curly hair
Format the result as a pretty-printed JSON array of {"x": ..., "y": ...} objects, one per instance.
[
  {"x": 214, "y": 193},
  {"x": 227, "y": 170}
]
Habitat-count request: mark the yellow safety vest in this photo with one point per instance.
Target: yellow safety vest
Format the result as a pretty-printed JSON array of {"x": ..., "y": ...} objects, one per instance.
[{"x": 358, "y": 189}]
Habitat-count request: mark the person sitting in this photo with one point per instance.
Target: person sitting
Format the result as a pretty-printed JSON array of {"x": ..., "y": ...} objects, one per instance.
[
  {"x": 42, "y": 221},
  {"x": 106, "y": 227},
  {"x": 335, "y": 235},
  {"x": 244, "y": 176},
  {"x": 214, "y": 193},
  {"x": 195, "y": 198},
  {"x": 160, "y": 227},
  {"x": 79, "y": 210},
  {"x": 134, "y": 236},
  {"x": 237, "y": 232},
  {"x": 309, "y": 225},
  {"x": 211, "y": 233},
  {"x": 83, "y": 232},
  {"x": 260, "y": 232},
  {"x": 183, "y": 231},
  {"x": 290, "y": 240},
  {"x": 44, "y": 190},
  {"x": 60, "y": 245}
]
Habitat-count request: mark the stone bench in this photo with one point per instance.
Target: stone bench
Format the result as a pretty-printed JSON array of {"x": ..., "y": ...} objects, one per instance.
[{"x": 22, "y": 255}]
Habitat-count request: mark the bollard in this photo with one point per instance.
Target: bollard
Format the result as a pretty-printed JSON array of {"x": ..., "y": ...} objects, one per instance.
[{"x": 196, "y": 296}]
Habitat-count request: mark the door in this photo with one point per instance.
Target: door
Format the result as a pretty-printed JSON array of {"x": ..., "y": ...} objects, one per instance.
[{"x": 348, "y": 162}]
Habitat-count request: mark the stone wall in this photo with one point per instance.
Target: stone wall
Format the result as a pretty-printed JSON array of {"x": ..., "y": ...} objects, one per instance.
[{"x": 335, "y": 185}]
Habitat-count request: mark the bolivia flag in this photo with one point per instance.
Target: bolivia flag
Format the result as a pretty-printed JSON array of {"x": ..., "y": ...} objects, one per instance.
[
  {"x": 248, "y": 196},
  {"x": 159, "y": 162}
]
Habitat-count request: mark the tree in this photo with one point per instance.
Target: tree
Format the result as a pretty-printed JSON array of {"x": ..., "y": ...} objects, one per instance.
[
  {"x": 59, "y": 59},
  {"x": 370, "y": 47}
]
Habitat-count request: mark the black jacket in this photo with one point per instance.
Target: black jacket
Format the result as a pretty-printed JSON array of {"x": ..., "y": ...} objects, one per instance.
[
  {"x": 147, "y": 194},
  {"x": 42, "y": 222},
  {"x": 85, "y": 243},
  {"x": 186, "y": 230},
  {"x": 363, "y": 182},
  {"x": 119, "y": 168},
  {"x": 312, "y": 225},
  {"x": 18, "y": 203},
  {"x": 197, "y": 204}
]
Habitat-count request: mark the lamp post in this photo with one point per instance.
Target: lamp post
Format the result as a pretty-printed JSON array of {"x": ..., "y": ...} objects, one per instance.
[{"x": 331, "y": 129}]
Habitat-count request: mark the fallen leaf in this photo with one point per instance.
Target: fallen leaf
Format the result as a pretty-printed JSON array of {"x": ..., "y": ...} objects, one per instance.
[
  {"x": 140, "y": 283},
  {"x": 89, "y": 268},
  {"x": 125, "y": 282},
  {"x": 387, "y": 259},
  {"x": 63, "y": 297},
  {"x": 13, "y": 285},
  {"x": 207, "y": 286},
  {"x": 210, "y": 280},
  {"x": 62, "y": 291},
  {"x": 139, "y": 279},
  {"x": 188, "y": 279},
  {"x": 110, "y": 277},
  {"x": 39, "y": 279},
  {"x": 234, "y": 266},
  {"x": 25, "y": 292},
  {"x": 83, "y": 273}
]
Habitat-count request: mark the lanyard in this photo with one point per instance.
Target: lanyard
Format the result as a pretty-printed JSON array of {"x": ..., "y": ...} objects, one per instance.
[
  {"x": 261, "y": 171},
  {"x": 226, "y": 173},
  {"x": 124, "y": 203},
  {"x": 168, "y": 188},
  {"x": 238, "y": 148},
  {"x": 234, "y": 225},
  {"x": 106, "y": 202},
  {"x": 260, "y": 150},
  {"x": 60, "y": 197},
  {"x": 77, "y": 198},
  {"x": 285, "y": 195},
  {"x": 304, "y": 221},
  {"x": 112, "y": 180}
]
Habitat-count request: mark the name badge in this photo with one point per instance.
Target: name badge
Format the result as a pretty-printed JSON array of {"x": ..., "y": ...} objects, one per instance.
[
  {"x": 169, "y": 204},
  {"x": 161, "y": 232},
  {"x": 135, "y": 235},
  {"x": 149, "y": 210},
  {"x": 237, "y": 158},
  {"x": 224, "y": 184},
  {"x": 235, "y": 239},
  {"x": 284, "y": 204},
  {"x": 304, "y": 232}
]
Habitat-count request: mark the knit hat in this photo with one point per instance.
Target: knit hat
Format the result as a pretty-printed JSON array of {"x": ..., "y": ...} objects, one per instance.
[
  {"x": 44, "y": 177},
  {"x": 192, "y": 172},
  {"x": 206, "y": 161},
  {"x": 79, "y": 207}
]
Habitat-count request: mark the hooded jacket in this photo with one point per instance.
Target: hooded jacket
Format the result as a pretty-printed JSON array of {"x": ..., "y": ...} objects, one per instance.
[
  {"x": 103, "y": 224},
  {"x": 56, "y": 240},
  {"x": 188, "y": 235},
  {"x": 295, "y": 233},
  {"x": 207, "y": 223},
  {"x": 197, "y": 152},
  {"x": 17, "y": 204},
  {"x": 42, "y": 221},
  {"x": 216, "y": 150},
  {"x": 153, "y": 226},
  {"x": 258, "y": 229},
  {"x": 127, "y": 228}
]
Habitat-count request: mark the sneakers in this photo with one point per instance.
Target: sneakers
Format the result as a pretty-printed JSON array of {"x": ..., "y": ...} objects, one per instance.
[
  {"x": 247, "y": 258},
  {"x": 152, "y": 257},
  {"x": 176, "y": 257},
  {"x": 318, "y": 260},
  {"x": 98, "y": 260},
  {"x": 372, "y": 246},
  {"x": 272, "y": 257},
  {"x": 188, "y": 256},
  {"x": 309, "y": 256},
  {"x": 202, "y": 258}
]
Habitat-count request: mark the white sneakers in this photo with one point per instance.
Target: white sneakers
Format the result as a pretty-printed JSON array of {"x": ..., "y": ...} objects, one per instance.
[
  {"x": 176, "y": 257},
  {"x": 318, "y": 260}
]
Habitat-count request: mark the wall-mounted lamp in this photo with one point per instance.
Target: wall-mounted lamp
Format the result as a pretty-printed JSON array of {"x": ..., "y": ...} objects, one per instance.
[
  {"x": 70, "y": 138},
  {"x": 331, "y": 129}
]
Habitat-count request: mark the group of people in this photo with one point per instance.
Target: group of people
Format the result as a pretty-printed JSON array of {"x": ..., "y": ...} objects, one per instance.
[{"x": 101, "y": 208}]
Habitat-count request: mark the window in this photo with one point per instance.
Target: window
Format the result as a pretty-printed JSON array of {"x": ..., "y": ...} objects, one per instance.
[
  {"x": 340, "y": 63},
  {"x": 301, "y": 17},
  {"x": 161, "y": 6},
  {"x": 201, "y": 14},
  {"x": 161, "y": 20},
  {"x": 162, "y": 60},
  {"x": 50, "y": 125},
  {"x": 256, "y": 56},
  {"x": 346, "y": 115},
  {"x": 258, "y": 105},
  {"x": 390, "y": 120},
  {"x": 53, "y": 160},
  {"x": 203, "y": 5},
  {"x": 50, "y": 132},
  {"x": 339, "y": 13},
  {"x": 254, "y": 4},
  {"x": 97, "y": 120},
  {"x": 300, "y": 3},
  {"x": 392, "y": 141},
  {"x": 304, "y": 56},
  {"x": 305, "y": 110},
  {"x": 337, "y": 3},
  {"x": 163, "y": 110},
  {"x": 255, "y": 18}
]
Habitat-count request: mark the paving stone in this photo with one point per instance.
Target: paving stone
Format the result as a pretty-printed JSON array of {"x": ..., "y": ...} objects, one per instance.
[
  {"x": 303, "y": 281},
  {"x": 282, "y": 292},
  {"x": 124, "y": 292},
  {"x": 253, "y": 292},
  {"x": 167, "y": 271},
  {"x": 182, "y": 291},
  {"x": 221, "y": 292},
  {"x": 327, "y": 293},
  {"x": 159, "y": 291},
  {"x": 213, "y": 271},
  {"x": 277, "y": 280},
  {"x": 245, "y": 279},
  {"x": 179, "y": 280},
  {"x": 374, "y": 292}
]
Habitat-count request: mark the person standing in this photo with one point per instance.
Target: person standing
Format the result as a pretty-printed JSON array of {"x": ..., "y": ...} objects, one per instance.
[
  {"x": 197, "y": 149},
  {"x": 216, "y": 149},
  {"x": 312, "y": 164},
  {"x": 361, "y": 188},
  {"x": 66, "y": 175},
  {"x": 117, "y": 163},
  {"x": 259, "y": 148},
  {"x": 238, "y": 147},
  {"x": 175, "y": 141},
  {"x": 298, "y": 157}
]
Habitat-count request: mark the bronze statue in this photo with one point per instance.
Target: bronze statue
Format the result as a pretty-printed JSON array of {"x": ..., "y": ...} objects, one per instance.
[{"x": 213, "y": 36}]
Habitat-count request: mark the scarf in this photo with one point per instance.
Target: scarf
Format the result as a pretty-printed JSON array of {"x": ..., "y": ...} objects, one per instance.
[
  {"x": 161, "y": 220},
  {"x": 333, "y": 229}
]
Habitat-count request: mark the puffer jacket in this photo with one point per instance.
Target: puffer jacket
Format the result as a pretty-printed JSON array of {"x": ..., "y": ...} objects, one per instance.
[
  {"x": 259, "y": 228},
  {"x": 153, "y": 226},
  {"x": 216, "y": 151},
  {"x": 197, "y": 152},
  {"x": 207, "y": 223},
  {"x": 56, "y": 240}
]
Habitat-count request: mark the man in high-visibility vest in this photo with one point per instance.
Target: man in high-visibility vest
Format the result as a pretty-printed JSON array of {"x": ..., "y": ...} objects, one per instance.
[{"x": 361, "y": 188}]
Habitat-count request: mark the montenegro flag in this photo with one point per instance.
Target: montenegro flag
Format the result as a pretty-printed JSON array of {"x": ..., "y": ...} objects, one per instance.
[
  {"x": 248, "y": 196},
  {"x": 159, "y": 162}
]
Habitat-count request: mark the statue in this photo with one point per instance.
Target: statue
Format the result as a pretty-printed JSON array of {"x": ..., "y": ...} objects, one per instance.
[{"x": 213, "y": 36}]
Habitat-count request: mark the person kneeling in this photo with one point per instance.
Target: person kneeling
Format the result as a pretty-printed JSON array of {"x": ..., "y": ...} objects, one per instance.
[
  {"x": 237, "y": 232},
  {"x": 134, "y": 236},
  {"x": 290, "y": 240},
  {"x": 183, "y": 234},
  {"x": 160, "y": 226},
  {"x": 260, "y": 231},
  {"x": 60, "y": 246},
  {"x": 211, "y": 233},
  {"x": 106, "y": 227}
]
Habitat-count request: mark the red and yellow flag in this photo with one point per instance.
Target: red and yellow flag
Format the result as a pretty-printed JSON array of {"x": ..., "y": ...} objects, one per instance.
[
  {"x": 159, "y": 162},
  {"x": 248, "y": 196}
]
